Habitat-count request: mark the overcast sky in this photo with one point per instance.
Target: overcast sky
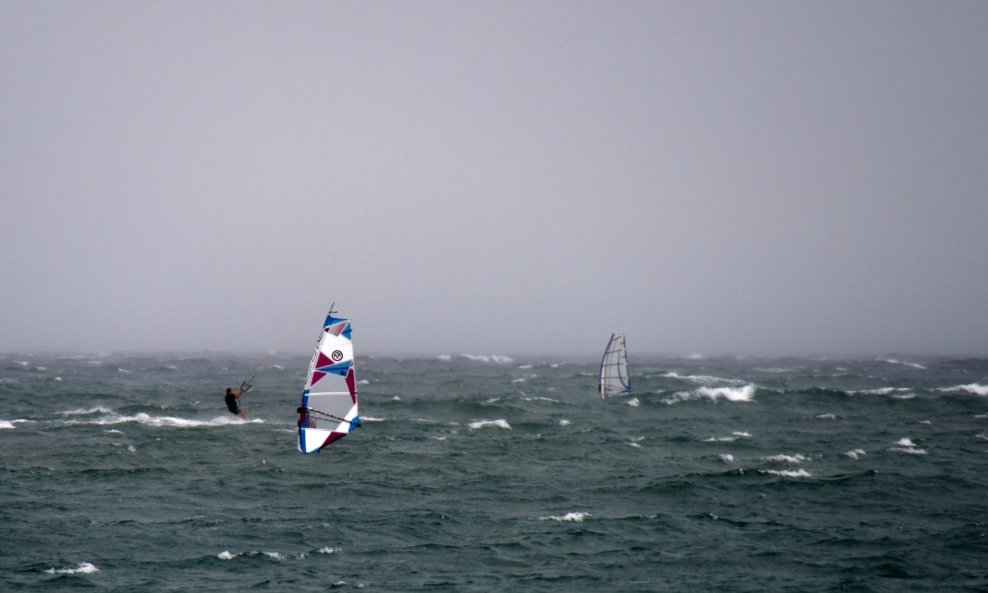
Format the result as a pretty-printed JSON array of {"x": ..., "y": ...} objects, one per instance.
[{"x": 495, "y": 177}]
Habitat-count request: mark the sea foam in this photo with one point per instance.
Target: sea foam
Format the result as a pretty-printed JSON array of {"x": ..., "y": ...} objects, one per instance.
[
  {"x": 169, "y": 421},
  {"x": 499, "y": 423},
  {"x": 905, "y": 445},
  {"x": 975, "y": 388},
  {"x": 82, "y": 568},
  {"x": 702, "y": 379},
  {"x": 571, "y": 517},
  {"x": 732, "y": 394},
  {"x": 787, "y": 473},
  {"x": 494, "y": 358},
  {"x": 797, "y": 458}
]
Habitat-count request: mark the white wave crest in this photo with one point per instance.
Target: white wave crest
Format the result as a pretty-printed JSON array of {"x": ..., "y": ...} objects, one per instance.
[
  {"x": 726, "y": 458},
  {"x": 975, "y": 388},
  {"x": 906, "y": 445},
  {"x": 855, "y": 453},
  {"x": 903, "y": 363},
  {"x": 788, "y": 473},
  {"x": 564, "y": 422},
  {"x": 734, "y": 436},
  {"x": 499, "y": 423},
  {"x": 82, "y": 568},
  {"x": 733, "y": 394},
  {"x": 702, "y": 379},
  {"x": 826, "y": 416},
  {"x": 539, "y": 398},
  {"x": 633, "y": 402},
  {"x": 328, "y": 550},
  {"x": 226, "y": 555},
  {"x": 879, "y": 391},
  {"x": 494, "y": 358},
  {"x": 169, "y": 421},
  {"x": 909, "y": 450},
  {"x": 84, "y": 412},
  {"x": 797, "y": 458},
  {"x": 573, "y": 517}
]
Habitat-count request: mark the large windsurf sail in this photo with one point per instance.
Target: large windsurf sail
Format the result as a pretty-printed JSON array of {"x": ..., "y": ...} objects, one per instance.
[
  {"x": 329, "y": 401},
  {"x": 614, "y": 378}
]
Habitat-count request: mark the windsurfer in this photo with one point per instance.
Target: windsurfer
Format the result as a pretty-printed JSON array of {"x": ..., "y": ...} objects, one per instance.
[{"x": 232, "y": 395}]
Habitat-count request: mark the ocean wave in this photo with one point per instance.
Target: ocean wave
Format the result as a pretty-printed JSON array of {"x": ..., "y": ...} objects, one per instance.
[
  {"x": 9, "y": 423},
  {"x": 855, "y": 453},
  {"x": 734, "y": 436},
  {"x": 499, "y": 423},
  {"x": 732, "y": 394},
  {"x": 633, "y": 402},
  {"x": 81, "y": 568},
  {"x": 576, "y": 517},
  {"x": 783, "y": 458},
  {"x": 787, "y": 473},
  {"x": 703, "y": 379},
  {"x": 974, "y": 388},
  {"x": 166, "y": 421},
  {"x": 228, "y": 555},
  {"x": 87, "y": 411},
  {"x": 879, "y": 391},
  {"x": 492, "y": 358},
  {"x": 913, "y": 365},
  {"x": 539, "y": 398},
  {"x": 905, "y": 445}
]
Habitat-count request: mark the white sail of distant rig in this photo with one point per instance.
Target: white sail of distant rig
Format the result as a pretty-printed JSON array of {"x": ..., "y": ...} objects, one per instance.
[
  {"x": 329, "y": 401},
  {"x": 614, "y": 378}
]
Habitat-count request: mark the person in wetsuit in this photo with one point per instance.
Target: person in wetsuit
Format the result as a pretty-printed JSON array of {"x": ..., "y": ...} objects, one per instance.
[{"x": 232, "y": 395}]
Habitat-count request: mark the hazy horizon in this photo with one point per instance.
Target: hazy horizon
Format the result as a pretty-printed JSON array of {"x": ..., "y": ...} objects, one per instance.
[{"x": 761, "y": 178}]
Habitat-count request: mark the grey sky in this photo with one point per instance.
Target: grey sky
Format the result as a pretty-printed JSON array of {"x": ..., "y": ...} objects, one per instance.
[{"x": 495, "y": 177}]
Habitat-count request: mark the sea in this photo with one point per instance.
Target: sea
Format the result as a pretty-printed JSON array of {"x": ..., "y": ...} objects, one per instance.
[{"x": 125, "y": 472}]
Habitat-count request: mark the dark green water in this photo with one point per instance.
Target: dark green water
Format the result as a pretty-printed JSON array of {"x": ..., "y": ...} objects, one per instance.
[{"x": 126, "y": 473}]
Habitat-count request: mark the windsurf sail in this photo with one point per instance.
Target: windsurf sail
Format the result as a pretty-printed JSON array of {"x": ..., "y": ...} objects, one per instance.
[
  {"x": 329, "y": 400},
  {"x": 614, "y": 379}
]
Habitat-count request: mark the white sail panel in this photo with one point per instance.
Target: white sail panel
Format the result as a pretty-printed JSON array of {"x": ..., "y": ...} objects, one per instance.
[
  {"x": 329, "y": 401},
  {"x": 614, "y": 379}
]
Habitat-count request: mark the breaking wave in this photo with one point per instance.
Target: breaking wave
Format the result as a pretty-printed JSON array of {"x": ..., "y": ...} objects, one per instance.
[
  {"x": 169, "y": 421},
  {"x": 499, "y": 423},
  {"x": 81, "y": 568},
  {"x": 732, "y": 394},
  {"x": 974, "y": 388},
  {"x": 568, "y": 517}
]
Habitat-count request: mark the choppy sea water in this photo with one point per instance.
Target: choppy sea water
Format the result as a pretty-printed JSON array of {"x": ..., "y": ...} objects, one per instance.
[{"x": 126, "y": 473}]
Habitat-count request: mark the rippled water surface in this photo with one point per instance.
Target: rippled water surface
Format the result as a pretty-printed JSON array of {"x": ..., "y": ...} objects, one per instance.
[{"x": 126, "y": 473}]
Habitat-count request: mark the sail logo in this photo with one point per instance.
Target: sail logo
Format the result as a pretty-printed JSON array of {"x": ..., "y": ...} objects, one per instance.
[{"x": 337, "y": 355}]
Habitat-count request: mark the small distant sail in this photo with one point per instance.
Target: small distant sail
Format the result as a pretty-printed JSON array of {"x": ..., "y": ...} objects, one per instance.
[
  {"x": 329, "y": 401},
  {"x": 614, "y": 378}
]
